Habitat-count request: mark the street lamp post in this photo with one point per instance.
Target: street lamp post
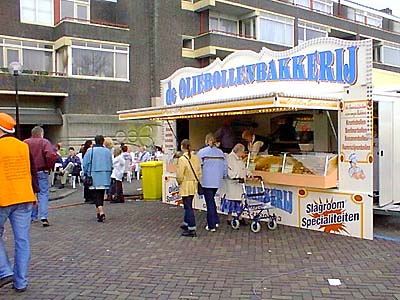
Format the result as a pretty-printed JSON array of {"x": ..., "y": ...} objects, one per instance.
[{"x": 15, "y": 69}]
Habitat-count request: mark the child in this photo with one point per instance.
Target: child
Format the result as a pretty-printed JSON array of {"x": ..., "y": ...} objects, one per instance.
[{"x": 116, "y": 191}]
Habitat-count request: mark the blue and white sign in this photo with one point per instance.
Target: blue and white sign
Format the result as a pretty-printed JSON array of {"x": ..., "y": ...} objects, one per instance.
[{"x": 315, "y": 68}]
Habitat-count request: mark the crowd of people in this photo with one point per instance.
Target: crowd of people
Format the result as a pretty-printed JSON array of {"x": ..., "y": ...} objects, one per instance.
[{"x": 27, "y": 169}]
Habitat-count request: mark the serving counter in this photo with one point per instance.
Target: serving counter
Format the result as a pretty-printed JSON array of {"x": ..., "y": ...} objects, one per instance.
[{"x": 310, "y": 169}]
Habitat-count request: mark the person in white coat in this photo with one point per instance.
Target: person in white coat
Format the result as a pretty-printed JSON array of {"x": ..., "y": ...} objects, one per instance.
[
  {"x": 116, "y": 190},
  {"x": 237, "y": 173}
]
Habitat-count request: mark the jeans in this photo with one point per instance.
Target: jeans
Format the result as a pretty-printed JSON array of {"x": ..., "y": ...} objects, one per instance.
[
  {"x": 212, "y": 215},
  {"x": 43, "y": 197},
  {"x": 20, "y": 219},
  {"x": 188, "y": 218}
]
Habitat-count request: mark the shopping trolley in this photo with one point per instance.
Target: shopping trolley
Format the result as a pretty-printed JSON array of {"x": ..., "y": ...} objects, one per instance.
[{"x": 257, "y": 207}]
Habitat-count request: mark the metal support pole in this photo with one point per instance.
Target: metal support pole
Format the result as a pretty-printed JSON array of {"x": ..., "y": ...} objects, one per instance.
[{"x": 17, "y": 129}]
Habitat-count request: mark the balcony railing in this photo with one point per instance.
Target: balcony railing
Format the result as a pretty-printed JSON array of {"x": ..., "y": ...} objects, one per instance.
[
  {"x": 92, "y": 22},
  {"x": 35, "y": 72},
  {"x": 231, "y": 34},
  {"x": 339, "y": 15}
]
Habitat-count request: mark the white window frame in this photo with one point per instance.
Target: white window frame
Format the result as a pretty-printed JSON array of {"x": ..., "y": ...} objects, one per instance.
[
  {"x": 326, "y": 3},
  {"x": 364, "y": 16},
  {"x": 392, "y": 46},
  {"x": 76, "y": 4},
  {"x": 303, "y": 25},
  {"x": 20, "y": 47},
  {"x": 311, "y": 3},
  {"x": 114, "y": 51},
  {"x": 185, "y": 37},
  {"x": 220, "y": 17},
  {"x": 36, "y": 14},
  {"x": 270, "y": 16}
]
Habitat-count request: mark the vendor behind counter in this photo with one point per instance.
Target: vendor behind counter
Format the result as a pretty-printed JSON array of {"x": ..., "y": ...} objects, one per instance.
[{"x": 285, "y": 138}]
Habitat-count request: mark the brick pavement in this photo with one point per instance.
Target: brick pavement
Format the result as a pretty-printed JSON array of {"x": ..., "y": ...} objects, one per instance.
[{"x": 139, "y": 254}]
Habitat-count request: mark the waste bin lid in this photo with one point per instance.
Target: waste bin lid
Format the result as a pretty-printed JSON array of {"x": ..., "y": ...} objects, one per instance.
[{"x": 151, "y": 163}]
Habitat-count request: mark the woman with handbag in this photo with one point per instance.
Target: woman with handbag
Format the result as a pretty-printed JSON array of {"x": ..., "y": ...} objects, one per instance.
[
  {"x": 97, "y": 164},
  {"x": 188, "y": 174},
  {"x": 214, "y": 169}
]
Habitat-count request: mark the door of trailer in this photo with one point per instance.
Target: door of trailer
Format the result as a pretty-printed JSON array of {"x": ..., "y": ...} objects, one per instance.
[{"x": 387, "y": 148}]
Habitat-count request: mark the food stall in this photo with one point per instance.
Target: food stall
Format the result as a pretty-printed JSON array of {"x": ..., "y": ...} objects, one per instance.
[{"x": 326, "y": 186}]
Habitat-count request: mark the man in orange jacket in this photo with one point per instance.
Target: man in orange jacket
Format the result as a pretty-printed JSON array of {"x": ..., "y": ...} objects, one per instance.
[{"x": 17, "y": 187}]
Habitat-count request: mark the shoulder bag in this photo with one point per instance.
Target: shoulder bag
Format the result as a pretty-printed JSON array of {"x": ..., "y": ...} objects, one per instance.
[
  {"x": 88, "y": 180},
  {"x": 199, "y": 186}
]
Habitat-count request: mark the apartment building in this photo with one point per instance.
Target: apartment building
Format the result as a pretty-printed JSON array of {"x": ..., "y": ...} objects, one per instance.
[{"x": 85, "y": 59}]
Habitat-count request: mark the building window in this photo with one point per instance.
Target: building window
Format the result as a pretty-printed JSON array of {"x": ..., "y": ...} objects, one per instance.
[
  {"x": 391, "y": 54},
  {"x": 223, "y": 24},
  {"x": 37, "y": 12},
  {"x": 34, "y": 56},
  {"x": 187, "y": 43},
  {"x": 247, "y": 28},
  {"x": 395, "y": 26},
  {"x": 98, "y": 60},
  {"x": 309, "y": 31},
  {"x": 276, "y": 29},
  {"x": 364, "y": 17},
  {"x": 325, "y": 6},
  {"x": 75, "y": 9}
]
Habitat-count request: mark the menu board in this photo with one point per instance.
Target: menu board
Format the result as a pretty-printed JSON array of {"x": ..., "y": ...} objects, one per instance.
[{"x": 356, "y": 144}]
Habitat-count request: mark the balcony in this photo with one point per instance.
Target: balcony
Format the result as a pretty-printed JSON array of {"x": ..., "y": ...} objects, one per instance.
[
  {"x": 93, "y": 22},
  {"x": 102, "y": 31},
  {"x": 202, "y": 5},
  {"x": 217, "y": 43}
]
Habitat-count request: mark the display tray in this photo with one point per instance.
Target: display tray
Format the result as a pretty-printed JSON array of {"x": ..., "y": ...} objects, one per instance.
[
  {"x": 302, "y": 180},
  {"x": 318, "y": 170}
]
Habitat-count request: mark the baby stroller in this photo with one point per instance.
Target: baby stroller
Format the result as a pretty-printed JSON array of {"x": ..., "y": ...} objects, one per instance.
[{"x": 256, "y": 207}]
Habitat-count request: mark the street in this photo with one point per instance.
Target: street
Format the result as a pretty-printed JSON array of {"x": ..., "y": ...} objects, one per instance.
[{"x": 138, "y": 253}]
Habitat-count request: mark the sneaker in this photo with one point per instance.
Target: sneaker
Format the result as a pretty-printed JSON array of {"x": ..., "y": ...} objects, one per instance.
[
  {"x": 184, "y": 227},
  {"x": 217, "y": 225},
  {"x": 6, "y": 280},
  {"x": 189, "y": 233},
  {"x": 61, "y": 186},
  {"x": 211, "y": 230},
  {"x": 34, "y": 221},
  {"x": 45, "y": 222},
  {"x": 21, "y": 290}
]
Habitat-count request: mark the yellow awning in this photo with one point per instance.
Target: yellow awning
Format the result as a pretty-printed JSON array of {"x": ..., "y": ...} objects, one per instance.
[
  {"x": 270, "y": 103},
  {"x": 382, "y": 78}
]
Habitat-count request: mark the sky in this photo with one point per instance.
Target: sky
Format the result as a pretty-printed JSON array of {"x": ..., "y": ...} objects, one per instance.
[{"x": 380, "y": 4}]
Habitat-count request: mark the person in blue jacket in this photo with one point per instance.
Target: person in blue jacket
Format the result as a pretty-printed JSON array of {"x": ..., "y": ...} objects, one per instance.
[
  {"x": 214, "y": 169},
  {"x": 97, "y": 163}
]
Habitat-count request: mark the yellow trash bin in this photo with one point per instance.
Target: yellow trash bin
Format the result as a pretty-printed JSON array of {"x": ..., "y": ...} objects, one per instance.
[{"x": 152, "y": 179}]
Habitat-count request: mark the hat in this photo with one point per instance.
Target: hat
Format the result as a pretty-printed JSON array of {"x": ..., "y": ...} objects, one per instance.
[{"x": 7, "y": 123}]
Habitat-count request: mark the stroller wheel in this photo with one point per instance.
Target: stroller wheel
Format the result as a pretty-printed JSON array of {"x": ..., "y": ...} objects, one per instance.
[
  {"x": 235, "y": 224},
  {"x": 255, "y": 226},
  {"x": 272, "y": 225}
]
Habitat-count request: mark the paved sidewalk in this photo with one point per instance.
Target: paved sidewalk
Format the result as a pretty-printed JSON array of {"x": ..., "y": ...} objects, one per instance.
[{"x": 139, "y": 254}]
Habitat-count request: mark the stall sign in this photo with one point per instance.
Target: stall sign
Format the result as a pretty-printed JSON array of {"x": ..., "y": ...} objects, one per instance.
[
  {"x": 318, "y": 67},
  {"x": 171, "y": 191},
  {"x": 356, "y": 146},
  {"x": 339, "y": 213}
]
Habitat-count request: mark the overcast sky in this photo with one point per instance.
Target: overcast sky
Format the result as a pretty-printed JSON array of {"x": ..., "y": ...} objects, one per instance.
[{"x": 394, "y": 5}]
